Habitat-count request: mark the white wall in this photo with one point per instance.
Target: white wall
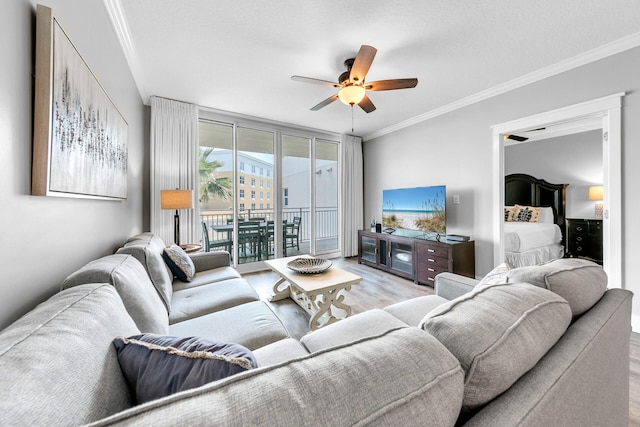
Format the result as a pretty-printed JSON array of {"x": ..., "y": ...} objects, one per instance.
[
  {"x": 456, "y": 149},
  {"x": 575, "y": 160},
  {"x": 44, "y": 239}
]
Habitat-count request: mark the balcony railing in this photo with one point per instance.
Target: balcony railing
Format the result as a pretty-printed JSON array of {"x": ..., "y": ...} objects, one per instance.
[{"x": 326, "y": 220}]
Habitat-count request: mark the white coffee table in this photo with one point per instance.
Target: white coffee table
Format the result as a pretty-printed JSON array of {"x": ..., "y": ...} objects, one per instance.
[{"x": 318, "y": 294}]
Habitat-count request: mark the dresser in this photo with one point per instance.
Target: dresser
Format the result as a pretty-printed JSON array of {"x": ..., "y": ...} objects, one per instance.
[{"x": 584, "y": 239}]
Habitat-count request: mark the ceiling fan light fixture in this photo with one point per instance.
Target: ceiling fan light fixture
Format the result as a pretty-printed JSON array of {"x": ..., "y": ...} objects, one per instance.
[{"x": 352, "y": 94}]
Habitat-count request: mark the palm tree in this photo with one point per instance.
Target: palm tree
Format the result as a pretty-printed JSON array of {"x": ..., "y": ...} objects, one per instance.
[{"x": 212, "y": 185}]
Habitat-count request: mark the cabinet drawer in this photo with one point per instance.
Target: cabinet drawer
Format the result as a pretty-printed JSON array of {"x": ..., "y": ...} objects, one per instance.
[
  {"x": 431, "y": 251},
  {"x": 427, "y": 272},
  {"x": 434, "y": 261}
]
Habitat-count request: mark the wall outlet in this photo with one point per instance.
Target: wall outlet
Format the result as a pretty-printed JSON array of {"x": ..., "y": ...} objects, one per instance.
[{"x": 456, "y": 199}]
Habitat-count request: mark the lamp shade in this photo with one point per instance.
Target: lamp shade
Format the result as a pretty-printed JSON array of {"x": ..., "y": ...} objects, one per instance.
[
  {"x": 595, "y": 192},
  {"x": 351, "y": 95},
  {"x": 176, "y": 199}
]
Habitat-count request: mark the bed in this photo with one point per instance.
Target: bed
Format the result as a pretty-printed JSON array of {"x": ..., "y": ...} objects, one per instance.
[{"x": 535, "y": 232}]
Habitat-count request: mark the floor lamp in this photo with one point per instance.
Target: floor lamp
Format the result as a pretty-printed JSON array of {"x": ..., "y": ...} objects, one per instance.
[{"x": 176, "y": 199}]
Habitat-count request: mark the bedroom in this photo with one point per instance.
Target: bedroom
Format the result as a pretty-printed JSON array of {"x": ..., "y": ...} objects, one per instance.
[{"x": 575, "y": 160}]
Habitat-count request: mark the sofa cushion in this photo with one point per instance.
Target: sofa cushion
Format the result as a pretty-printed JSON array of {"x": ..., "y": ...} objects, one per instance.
[
  {"x": 147, "y": 248},
  {"x": 366, "y": 324},
  {"x": 58, "y": 363},
  {"x": 179, "y": 262},
  {"x": 131, "y": 281},
  {"x": 252, "y": 325},
  {"x": 279, "y": 352},
  {"x": 156, "y": 366},
  {"x": 206, "y": 277},
  {"x": 194, "y": 302},
  {"x": 404, "y": 377},
  {"x": 498, "y": 332},
  {"x": 582, "y": 283},
  {"x": 413, "y": 310}
]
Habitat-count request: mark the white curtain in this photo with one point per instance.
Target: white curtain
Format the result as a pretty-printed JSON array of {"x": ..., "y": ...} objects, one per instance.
[
  {"x": 352, "y": 193},
  {"x": 174, "y": 165}
]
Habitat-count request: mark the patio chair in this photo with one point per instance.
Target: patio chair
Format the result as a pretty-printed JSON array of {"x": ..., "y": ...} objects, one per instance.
[
  {"x": 292, "y": 237},
  {"x": 208, "y": 244}
]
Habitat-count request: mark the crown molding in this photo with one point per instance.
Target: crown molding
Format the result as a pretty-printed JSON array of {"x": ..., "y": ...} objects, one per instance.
[
  {"x": 588, "y": 57},
  {"x": 116, "y": 14}
]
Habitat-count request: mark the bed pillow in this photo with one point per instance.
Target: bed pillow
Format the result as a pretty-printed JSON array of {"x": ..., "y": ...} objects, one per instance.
[
  {"x": 498, "y": 333},
  {"x": 526, "y": 214},
  {"x": 157, "y": 365},
  {"x": 179, "y": 262},
  {"x": 546, "y": 215},
  {"x": 582, "y": 283}
]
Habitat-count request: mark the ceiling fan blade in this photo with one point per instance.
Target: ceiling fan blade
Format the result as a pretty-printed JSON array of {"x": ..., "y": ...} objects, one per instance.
[
  {"x": 391, "y": 84},
  {"x": 324, "y": 103},
  {"x": 362, "y": 63},
  {"x": 367, "y": 105},
  {"x": 314, "y": 81}
]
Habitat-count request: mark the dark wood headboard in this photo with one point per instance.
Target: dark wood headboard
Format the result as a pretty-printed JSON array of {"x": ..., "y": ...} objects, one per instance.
[{"x": 523, "y": 189}]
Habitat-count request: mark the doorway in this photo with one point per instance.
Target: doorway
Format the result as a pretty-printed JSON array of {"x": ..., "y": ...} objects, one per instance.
[{"x": 607, "y": 112}]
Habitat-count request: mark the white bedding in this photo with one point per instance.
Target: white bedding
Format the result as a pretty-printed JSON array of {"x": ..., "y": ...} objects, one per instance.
[{"x": 525, "y": 236}]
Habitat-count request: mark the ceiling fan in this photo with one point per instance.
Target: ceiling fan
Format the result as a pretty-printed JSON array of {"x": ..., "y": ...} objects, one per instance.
[{"x": 352, "y": 84}]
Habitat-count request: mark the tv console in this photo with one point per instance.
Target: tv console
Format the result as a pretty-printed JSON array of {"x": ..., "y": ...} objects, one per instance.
[{"x": 416, "y": 255}]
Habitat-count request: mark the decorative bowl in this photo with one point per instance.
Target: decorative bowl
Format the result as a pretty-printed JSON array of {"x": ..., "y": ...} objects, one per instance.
[{"x": 309, "y": 265}]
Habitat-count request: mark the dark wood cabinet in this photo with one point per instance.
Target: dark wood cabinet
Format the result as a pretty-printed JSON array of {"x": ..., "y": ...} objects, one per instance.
[
  {"x": 415, "y": 258},
  {"x": 584, "y": 239},
  {"x": 434, "y": 257},
  {"x": 386, "y": 252}
]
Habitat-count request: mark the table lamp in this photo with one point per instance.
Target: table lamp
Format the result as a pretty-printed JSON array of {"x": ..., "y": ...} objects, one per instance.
[
  {"x": 176, "y": 199},
  {"x": 596, "y": 193}
]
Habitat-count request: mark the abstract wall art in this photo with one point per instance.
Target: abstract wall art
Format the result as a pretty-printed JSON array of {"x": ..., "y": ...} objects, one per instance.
[{"x": 80, "y": 137}]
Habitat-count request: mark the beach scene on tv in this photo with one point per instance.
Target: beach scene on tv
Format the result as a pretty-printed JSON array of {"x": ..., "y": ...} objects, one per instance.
[{"x": 420, "y": 208}]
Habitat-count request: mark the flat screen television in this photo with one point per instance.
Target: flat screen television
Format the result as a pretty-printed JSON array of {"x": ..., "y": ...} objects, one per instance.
[{"x": 420, "y": 208}]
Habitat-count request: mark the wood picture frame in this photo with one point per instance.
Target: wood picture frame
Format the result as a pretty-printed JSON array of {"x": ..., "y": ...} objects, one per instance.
[{"x": 79, "y": 136}]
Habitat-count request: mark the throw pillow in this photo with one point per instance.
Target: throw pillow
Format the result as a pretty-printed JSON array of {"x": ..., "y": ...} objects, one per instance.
[
  {"x": 526, "y": 214},
  {"x": 508, "y": 213},
  {"x": 498, "y": 333},
  {"x": 179, "y": 262},
  {"x": 497, "y": 275},
  {"x": 156, "y": 365},
  {"x": 582, "y": 283}
]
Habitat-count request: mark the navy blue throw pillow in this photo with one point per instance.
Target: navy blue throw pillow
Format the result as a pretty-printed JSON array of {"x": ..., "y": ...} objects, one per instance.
[
  {"x": 157, "y": 365},
  {"x": 179, "y": 262}
]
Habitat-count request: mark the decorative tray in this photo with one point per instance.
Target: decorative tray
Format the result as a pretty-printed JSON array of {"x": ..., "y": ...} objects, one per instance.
[{"x": 309, "y": 265}]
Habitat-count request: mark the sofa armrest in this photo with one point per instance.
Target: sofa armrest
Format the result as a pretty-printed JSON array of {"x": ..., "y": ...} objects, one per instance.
[
  {"x": 210, "y": 260},
  {"x": 451, "y": 286}
]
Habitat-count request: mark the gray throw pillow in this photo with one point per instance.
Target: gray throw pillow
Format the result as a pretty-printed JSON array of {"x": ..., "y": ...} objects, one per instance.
[
  {"x": 156, "y": 366},
  {"x": 498, "y": 333},
  {"x": 582, "y": 283},
  {"x": 497, "y": 275},
  {"x": 179, "y": 262}
]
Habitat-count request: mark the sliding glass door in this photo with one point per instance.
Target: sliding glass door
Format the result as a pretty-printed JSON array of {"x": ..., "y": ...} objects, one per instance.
[{"x": 266, "y": 193}]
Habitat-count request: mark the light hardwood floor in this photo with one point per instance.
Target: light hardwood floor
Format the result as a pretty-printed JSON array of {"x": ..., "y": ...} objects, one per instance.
[{"x": 370, "y": 294}]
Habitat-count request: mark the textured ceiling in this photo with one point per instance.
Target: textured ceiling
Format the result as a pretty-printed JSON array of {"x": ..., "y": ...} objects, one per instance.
[{"x": 239, "y": 55}]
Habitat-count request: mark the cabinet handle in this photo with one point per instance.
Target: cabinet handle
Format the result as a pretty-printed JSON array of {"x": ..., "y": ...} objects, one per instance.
[
  {"x": 430, "y": 269},
  {"x": 431, "y": 260},
  {"x": 579, "y": 228},
  {"x": 431, "y": 250},
  {"x": 431, "y": 279},
  {"x": 579, "y": 239}
]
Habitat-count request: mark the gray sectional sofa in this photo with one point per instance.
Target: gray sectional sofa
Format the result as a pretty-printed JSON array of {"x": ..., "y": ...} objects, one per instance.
[{"x": 518, "y": 348}]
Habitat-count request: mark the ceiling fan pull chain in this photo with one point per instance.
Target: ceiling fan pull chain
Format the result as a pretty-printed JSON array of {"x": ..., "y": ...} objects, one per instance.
[{"x": 351, "y": 117}]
